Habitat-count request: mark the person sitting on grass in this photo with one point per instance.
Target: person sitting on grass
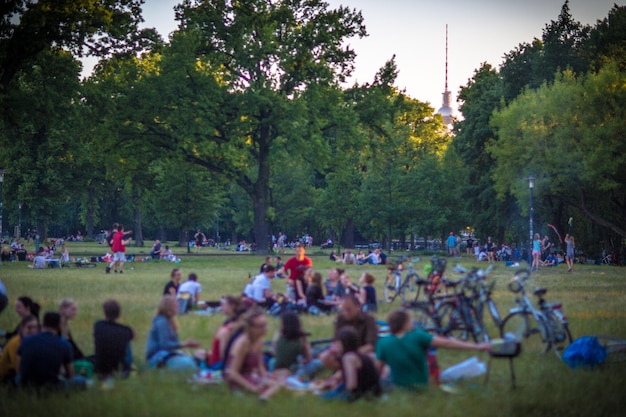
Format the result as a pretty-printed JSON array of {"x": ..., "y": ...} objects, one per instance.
[
  {"x": 245, "y": 369},
  {"x": 155, "y": 252},
  {"x": 233, "y": 308},
  {"x": 39, "y": 261},
  {"x": 189, "y": 293},
  {"x": 367, "y": 293},
  {"x": 315, "y": 294},
  {"x": 68, "y": 309},
  {"x": 8, "y": 359},
  {"x": 290, "y": 345},
  {"x": 367, "y": 334},
  {"x": 41, "y": 356},
  {"x": 405, "y": 351},
  {"x": 163, "y": 348},
  {"x": 172, "y": 286},
  {"x": 112, "y": 343},
  {"x": 24, "y": 306},
  {"x": 551, "y": 260},
  {"x": 359, "y": 374},
  {"x": 261, "y": 289}
]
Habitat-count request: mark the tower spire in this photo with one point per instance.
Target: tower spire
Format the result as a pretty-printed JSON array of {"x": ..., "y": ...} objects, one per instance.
[
  {"x": 445, "y": 111},
  {"x": 446, "y": 57}
]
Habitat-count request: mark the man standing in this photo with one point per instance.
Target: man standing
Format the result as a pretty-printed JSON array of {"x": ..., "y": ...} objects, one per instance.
[
  {"x": 118, "y": 246},
  {"x": 470, "y": 246},
  {"x": 112, "y": 342},
  {"x": 42, "y": 356},
  {"x": 451, "y": 244},
  {"x": 296, "y": 286},
  {"x": 198, "y": 238}
]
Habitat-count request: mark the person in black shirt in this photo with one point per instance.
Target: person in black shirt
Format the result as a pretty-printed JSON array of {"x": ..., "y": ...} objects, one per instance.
[
  {"x": 171, "y": 288},
  {"x": 42, "y": 355},
  {"x": 112, "y": 342}
]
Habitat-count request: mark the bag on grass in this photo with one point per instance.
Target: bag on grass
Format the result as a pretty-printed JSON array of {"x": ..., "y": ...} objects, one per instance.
[{"x": 585, "y": 351}]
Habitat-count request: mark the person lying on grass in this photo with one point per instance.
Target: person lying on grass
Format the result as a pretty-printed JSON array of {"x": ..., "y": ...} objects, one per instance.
[
  {"x": 405, "y": 351},
  {"x": 245, "y": 369}
]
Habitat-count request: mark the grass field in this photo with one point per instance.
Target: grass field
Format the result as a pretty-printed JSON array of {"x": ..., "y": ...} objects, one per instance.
[{"x": 594, "y": 300}]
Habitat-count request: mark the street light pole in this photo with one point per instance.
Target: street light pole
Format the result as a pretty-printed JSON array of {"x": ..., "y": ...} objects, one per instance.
[
  {"x": 19, "y": 220},
  {"x": 531, "y": 186}
]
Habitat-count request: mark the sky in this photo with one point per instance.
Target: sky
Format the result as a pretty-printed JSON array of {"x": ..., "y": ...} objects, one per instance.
[{"x": 415, "y": 31}]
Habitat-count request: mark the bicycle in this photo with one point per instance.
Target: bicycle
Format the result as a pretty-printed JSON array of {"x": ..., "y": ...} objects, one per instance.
[
  {"x": 395, "y": 286},
  {"x": 551, "y": 323},
  {"x": 464, "y": 315},
  {"x": 459, "y": 315}
]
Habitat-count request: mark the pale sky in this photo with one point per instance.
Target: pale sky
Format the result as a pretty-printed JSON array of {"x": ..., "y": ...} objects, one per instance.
[{"x": 414, "y": 30}]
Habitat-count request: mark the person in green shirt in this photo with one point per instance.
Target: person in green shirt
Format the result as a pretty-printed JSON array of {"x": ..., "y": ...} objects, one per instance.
[{"x": 404, "y": 351}]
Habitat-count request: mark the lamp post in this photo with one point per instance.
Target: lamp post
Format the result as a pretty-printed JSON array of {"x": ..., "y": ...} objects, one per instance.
[
  {"x": 1, "y": 181},
  {"x": 19, "y": 220},
  {"x": 531, "y": 186}
]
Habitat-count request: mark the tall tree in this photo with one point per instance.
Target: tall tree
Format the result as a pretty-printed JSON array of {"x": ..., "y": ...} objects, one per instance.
[{"x": 264, "y": 56}]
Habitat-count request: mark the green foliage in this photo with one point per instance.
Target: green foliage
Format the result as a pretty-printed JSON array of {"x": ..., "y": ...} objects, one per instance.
[{"x": 570, "y": 135}]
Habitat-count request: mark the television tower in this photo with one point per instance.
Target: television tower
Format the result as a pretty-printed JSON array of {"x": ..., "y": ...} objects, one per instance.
[{"x": 446, "y": 111}]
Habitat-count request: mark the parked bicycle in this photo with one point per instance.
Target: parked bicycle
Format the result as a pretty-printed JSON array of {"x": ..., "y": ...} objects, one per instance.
[
  {"x": 395, "y": 286},
  {"x": 525, "y": 320},
  {"x": 462, "y": 316}
]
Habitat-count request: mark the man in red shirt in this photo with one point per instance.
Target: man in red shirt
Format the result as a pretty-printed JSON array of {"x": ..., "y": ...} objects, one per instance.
[
  {"x": 297, "y": 267},
  {"x": 118, "y": 246}
]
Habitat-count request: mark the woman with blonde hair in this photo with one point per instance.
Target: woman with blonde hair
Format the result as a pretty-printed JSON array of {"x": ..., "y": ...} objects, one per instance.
[
  {"x": 68, "y": 309},
  {"x": 245, "y": 369},
  {"x": 163, "y": 348}
]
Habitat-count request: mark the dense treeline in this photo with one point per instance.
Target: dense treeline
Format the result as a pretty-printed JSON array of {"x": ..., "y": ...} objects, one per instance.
[{"x": 238, "y": 125}]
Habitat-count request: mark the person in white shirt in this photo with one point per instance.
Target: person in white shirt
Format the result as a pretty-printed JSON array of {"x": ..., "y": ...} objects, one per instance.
[
  {"x": 261, "y": 288},
  {"x": 190, "y": 287}
]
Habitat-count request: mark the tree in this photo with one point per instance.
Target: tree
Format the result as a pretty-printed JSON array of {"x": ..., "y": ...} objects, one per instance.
[
  {"x": 258, "y": 60},
  {"x": 571, "y": 135},
  {"x": 86, "y": 27},
  {"x": 38, "y": 136}
]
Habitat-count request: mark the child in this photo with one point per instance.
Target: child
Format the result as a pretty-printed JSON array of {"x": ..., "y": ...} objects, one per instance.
[{"x": 367, "y": 293}]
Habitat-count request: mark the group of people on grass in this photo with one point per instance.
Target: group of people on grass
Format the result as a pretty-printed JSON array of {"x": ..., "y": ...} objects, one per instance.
[
  {"x": 357, "y": 363},
  {"x": 44, "y": 355}
]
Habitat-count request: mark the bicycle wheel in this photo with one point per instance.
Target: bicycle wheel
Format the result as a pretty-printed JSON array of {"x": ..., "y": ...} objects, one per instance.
[
  {"x": 615, "y": 348},
  {"x": 390, "y": 290},
  {"x": 423, "y": 319},
  {"x": 452, "y": 321},
  {"x": 516, "y": 324},
  {"x": 560, "y": 333}
]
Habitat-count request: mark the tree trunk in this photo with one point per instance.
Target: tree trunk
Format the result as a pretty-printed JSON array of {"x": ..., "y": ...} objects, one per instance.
[
  {"x": 138, "y": 235},
  {"x": 261, "y": 188},
  {"x": 348, "y": 235},
  {"x": 182, "y": 237},
  {"x": 90, "y": 210}
]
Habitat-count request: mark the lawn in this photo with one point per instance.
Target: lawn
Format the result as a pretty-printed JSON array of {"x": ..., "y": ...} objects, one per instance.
[{"x": 594, "y": 300}]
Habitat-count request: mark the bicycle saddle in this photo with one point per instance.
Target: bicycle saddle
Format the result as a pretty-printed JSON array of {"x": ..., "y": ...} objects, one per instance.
[{"x": 540, "y": 291}]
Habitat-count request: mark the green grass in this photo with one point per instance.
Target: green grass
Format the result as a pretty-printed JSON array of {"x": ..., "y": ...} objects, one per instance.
[{"x": 594, "y": 299}]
